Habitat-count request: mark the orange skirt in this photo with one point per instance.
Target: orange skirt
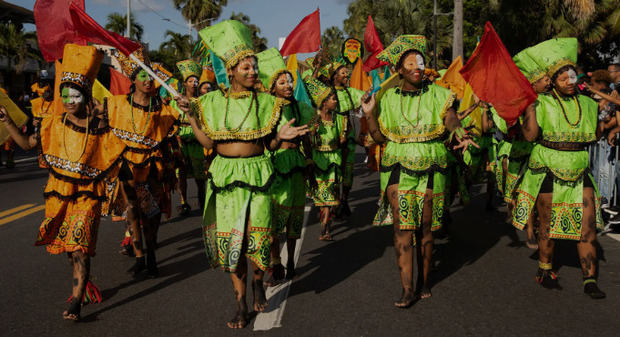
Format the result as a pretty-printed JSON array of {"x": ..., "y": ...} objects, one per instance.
[{"x": 70, "y": 225}]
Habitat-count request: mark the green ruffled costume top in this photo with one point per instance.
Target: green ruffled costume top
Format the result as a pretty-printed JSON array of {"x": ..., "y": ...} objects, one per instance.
[
  {"x": 580, "y": 127},
  {"x": 349, "y": 99},
  {"x": 286, "y": 161},
  {"x": 413, "y": 124},
  {"x": 239, "y": 118},
  {"x": 326, "y": 144}
]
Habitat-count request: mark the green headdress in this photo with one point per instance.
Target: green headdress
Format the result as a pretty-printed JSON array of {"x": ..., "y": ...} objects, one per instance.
[
  {"x": 528, "y": 66},
  {"x": 400, "y": 46},
  {"x": 555, "y": 53},
  {"x": 318, "y": 91},
  {"x": 189, "y": 68},
  {"x": 334, "y": 66},
  {"x": 270, "y": 66},
  {"x": 230, "y": 40}
]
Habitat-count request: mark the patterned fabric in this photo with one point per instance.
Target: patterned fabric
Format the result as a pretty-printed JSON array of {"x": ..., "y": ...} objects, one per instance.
[
  {"x": 230, "y": 40},
  {"x": 318, "y": 91},
  {"x": 76, "y": 78},
  {"x": 128, "y": 65},
  {"x": 70, "y": 166},
  {"x": 70, "y": 226},
  {"x": 400, "y": 46},
  {"x": 80, "y": 65},
  {"x": 289, "y": 197}
]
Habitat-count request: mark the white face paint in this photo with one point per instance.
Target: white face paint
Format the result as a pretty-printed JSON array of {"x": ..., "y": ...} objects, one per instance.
[
  {"x": 290, "y": 80},
  {"x": 72, "y": 96},
  {"x": 420, "y": 61},
  {"x": 572, "y": 76},
  {"x": 254, "y": 65}
]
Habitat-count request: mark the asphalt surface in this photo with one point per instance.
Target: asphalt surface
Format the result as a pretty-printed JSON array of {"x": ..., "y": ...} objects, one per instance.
[{"x": 482, "y": 281}]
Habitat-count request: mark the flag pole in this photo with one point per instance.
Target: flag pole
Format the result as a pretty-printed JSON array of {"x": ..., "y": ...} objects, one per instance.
[{"x": 172, "y": 92}]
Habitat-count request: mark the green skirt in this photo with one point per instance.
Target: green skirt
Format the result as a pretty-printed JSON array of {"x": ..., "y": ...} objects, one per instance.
[
  {"x": 503, "y": 151},
  {"x": 347, "y": 174},
  {"x": 238, "y": 207},
  {"x": 417, "y": 163},
  {"x": 568, "y": 170},
  {"x": 473, "y": 157},
  {"x": 327, "y": 174},
  {"x": 517, "y": 163},
  {"x": 288, "y": 192},
  {"x": 193, "y": 155}
]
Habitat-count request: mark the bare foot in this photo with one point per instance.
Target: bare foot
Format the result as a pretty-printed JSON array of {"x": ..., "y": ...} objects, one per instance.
[
  {"x": 531, "y": 242},
  {"x": 73, "y": 313},
  {"x": 425, "y": 292},
  {"x": 406, "y": 300},
  {"x": 260, "y": 299},
  {"x": 241, "y": 316},
  {"x": 277, "y": 276}
]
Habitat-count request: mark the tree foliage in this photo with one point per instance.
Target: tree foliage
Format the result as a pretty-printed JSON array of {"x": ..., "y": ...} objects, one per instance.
[
  {"x": 175, "y": 48},
  {"x": 200, "y": 12},
  {"x": 260, "y": 43},
  {"x": 18, "y": 46},
  {"x": 332, "y": 40},
  {"x": 118, "y": 23},
  {"x": 519, "y": 23}
]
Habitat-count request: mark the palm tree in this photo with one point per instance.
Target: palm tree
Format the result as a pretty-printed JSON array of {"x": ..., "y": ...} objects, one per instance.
[
  {"x": 177, "y": 44},
  {"x": 200, "y": 12},
  {"x": 18, "y": 46},
  {"x": 260, "y": 43},
  {"x": 117, "y": 23}
]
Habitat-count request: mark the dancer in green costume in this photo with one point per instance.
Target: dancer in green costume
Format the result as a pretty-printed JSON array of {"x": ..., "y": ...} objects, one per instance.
[
  {"x": 239, "y": 123},
  {"x": 515, "y": 164},
  {"x": 327, "y": 138},
  {"x": 289, "y": 162},
  {"x": 557, "y": 180},
  {"x": 413, "y": 119},
  {"x": 349, "y": 100},
  {"x": 193, "y": 154}
]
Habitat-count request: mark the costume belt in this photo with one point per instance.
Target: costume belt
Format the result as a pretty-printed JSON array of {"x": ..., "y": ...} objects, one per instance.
[{"x": 563, "y": 146}]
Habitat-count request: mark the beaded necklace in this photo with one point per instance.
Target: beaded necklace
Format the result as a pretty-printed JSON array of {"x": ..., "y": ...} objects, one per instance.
[
  {"x": 64, "y": 139},
  {"x": 402, "y": 110},
  {"x": 148, "y": 117},
  {"x": 244, "y": 118},
  {"x": 556, "y": 96}
]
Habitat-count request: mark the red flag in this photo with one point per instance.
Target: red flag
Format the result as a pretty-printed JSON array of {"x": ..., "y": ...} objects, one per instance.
[
  {"x": 119, "y": 83},
  {"x": 373, "y": 46},
  {"x": 91, "y": 31},
  {"x": 54, "y": 27},
  {"x": 496, "y": 79},
  {"x": 305, "y": 38}
]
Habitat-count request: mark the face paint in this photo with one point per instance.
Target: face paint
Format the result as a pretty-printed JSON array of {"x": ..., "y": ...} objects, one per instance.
[
  {"x": 572, "y": 76},
  {"x": 71, "y": 96},
  {"x": 420, "y": 61},
  {"x": 290, "y": 80},
  {"x": 254, "y": 65},
  {"x": 143, "y": 76}
]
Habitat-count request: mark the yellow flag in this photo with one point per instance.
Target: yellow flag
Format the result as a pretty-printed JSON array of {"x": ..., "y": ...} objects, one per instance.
[
  {"x": 17, "y": 115},
  {"x": 292, "y": 66},
  {"x": 452, "y": 78},
  {"x": 390, "y": 82},
  {"x": 476, "y": 115},
  {"x": 100, "y": 92}
]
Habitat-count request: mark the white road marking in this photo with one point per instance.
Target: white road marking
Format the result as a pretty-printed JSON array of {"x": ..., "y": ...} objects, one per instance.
[
  {"x": 24, "y": 160},
  {"x": 276, "y": 296},
  {"x": 614, "y": 236}
]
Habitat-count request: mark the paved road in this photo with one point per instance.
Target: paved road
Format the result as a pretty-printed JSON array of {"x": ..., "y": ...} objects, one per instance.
[{"x": 483, "y": 280}]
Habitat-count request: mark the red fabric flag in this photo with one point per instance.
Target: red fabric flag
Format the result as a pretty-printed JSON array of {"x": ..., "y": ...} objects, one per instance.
[
  {"x": 373, "y": 46},
  {"x": 119, "y": 83},
  {"x": 305, "y": 38},
  {"x": 91, "y": 31},
  {"x": 496, "y": 79},
  {"x": 54, "y": 27}
]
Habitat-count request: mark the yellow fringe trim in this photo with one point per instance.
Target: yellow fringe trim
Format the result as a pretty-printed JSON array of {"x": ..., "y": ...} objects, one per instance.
[
  {"x": 559, "y": 64},
  {"x": 238, "y": 57}
]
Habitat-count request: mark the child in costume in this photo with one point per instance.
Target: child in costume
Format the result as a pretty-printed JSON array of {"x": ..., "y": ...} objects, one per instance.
[{"x": 80, "y": 151}]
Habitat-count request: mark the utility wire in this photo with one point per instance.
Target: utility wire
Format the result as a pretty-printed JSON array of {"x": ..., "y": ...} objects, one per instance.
[{"x": 161, "y": 16}]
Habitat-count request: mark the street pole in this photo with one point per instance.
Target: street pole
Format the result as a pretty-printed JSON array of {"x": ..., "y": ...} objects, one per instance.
[
  {"x": 457, "y": 37},
  {"x": 128, "y": 19},
  {"x": 435, "y": 34}
]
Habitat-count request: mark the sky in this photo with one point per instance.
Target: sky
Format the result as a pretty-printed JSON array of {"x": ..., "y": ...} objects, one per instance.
[{"x": 275, "y": 18}]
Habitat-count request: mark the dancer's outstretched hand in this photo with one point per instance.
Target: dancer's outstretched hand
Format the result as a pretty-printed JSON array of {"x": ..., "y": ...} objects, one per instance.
[
  {"x": 288, "y": 131},
  {"x": 368, "y": 104},
  {"x": 464, "y": 143}
]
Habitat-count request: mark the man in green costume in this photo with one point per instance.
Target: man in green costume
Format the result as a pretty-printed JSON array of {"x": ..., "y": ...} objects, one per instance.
[
  {"x": 557, "y": 180},
  {"x": 413, "y": 119},
  {"x": 239, "y": 123}
]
